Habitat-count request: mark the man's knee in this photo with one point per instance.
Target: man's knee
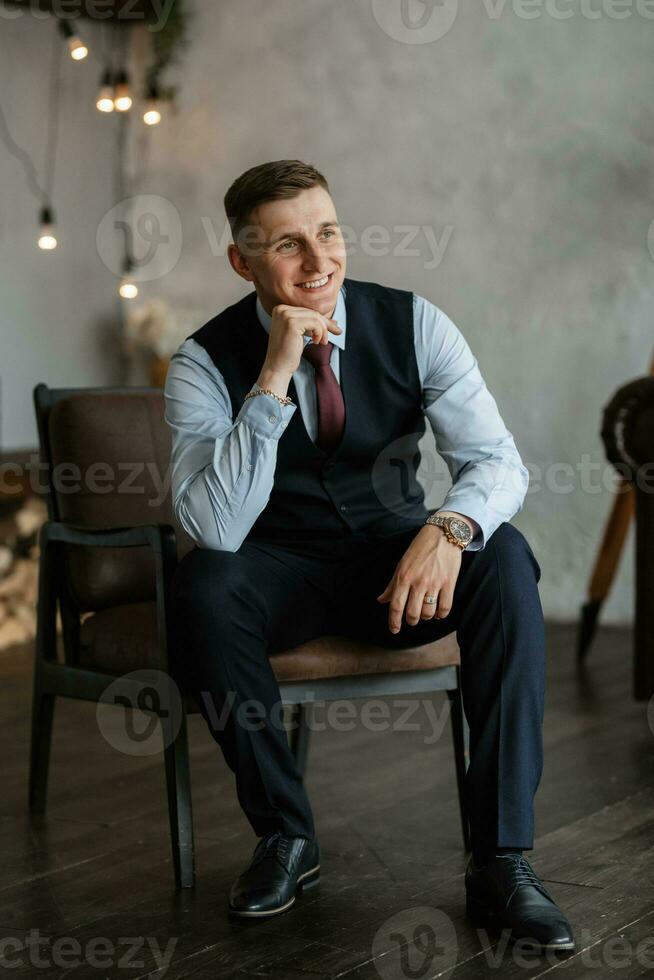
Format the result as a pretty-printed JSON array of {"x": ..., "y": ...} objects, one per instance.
[{"x": 510, "y": 544}]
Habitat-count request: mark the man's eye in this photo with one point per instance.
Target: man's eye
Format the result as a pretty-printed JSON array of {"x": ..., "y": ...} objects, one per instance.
[{"x": 292, "y": 244}]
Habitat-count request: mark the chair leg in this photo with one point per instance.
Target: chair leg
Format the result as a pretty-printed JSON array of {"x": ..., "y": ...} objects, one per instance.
[
  {"x": 42, "y": 715},
  {"x": 460, "y": 738},
  {"x": 300, "y": 737},
  {"x": 178, "y": 785}
]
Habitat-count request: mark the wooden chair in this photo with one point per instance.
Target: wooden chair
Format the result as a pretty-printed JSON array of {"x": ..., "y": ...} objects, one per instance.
[{"x": 107, "y": 556}]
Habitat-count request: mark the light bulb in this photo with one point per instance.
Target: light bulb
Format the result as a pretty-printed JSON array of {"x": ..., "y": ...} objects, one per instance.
[
  {"x": 152, "y": 115},
  {"x": 105, "y": 100},
  {"x": 46, "y": 240},
  {"x": 128, "y": 288},
  {"x": 77, "y": 49},
  {"x": 122, "y": 97}
]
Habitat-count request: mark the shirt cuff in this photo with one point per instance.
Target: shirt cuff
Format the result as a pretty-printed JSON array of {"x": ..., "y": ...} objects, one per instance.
[
  {"x": 266, "y": 416},
  {"x": 478, "y": 519}
]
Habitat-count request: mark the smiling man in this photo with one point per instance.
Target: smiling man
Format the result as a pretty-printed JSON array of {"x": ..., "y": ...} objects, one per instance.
[{"x": 296, "y": 415}]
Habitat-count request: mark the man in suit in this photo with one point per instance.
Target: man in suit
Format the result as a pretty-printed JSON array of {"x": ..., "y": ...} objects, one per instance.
[{"x": 287, "y": 410}]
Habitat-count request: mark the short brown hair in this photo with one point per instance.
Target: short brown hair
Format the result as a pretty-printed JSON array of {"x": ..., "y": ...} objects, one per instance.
[{"x": 275, "y": 181}]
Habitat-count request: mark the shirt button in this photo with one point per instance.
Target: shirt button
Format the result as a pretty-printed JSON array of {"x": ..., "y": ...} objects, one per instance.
[
  {"x": 272, "y": 418},
  {"x": 283, "y": 425}
]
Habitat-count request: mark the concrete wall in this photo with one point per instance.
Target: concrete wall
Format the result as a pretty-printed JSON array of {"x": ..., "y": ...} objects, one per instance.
[
  {"x": 59, "y": 315},
  {"x": 523, "y": 146}
]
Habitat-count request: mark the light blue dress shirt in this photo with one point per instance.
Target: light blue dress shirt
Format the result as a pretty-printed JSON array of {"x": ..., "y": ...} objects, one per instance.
[{"x": 223, "y": 470}]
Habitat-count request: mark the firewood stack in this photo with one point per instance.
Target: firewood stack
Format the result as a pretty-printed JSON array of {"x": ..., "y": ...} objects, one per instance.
[{"x": 19, "y": 562}]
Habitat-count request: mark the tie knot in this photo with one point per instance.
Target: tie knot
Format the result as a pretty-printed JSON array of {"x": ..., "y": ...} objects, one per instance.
[{"x": 318, "y": 354}]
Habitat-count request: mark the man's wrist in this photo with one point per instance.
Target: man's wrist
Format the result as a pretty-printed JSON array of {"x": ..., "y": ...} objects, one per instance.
[
  {"x": 275, "y": 381},
  {"x": 458, "y": 529}
]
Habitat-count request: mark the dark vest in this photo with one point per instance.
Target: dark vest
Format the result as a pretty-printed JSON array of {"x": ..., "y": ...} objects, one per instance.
[{"x": 367, "y": 485}]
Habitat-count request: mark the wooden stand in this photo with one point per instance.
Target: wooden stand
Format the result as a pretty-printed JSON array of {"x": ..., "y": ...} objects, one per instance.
[{"x": 606, "y": 562}]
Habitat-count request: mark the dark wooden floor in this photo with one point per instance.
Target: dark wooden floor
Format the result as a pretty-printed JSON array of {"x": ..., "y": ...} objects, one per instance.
[{"x": 95, "y": 872}]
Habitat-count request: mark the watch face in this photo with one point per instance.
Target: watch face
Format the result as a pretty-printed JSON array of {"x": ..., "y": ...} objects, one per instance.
[{"x": 460, "y": 530}]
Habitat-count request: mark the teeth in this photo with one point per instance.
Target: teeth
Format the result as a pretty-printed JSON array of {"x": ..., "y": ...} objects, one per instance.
[{"x": 316, "y": 284}]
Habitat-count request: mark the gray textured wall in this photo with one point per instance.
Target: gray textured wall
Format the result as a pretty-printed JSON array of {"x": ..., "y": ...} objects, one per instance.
[
  {"x": 523, "y": 145},
  {"x": 59, "y": 317}
]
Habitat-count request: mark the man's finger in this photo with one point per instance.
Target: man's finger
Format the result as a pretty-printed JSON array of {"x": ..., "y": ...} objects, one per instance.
[
  {"x": 396, "y": 609},
  {"x": 415, "y": 605},
  {"x": 445, "y": 599}
]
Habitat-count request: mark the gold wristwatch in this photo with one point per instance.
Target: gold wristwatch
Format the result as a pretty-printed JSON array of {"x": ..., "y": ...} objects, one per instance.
[{"x": 456, "y": 531}]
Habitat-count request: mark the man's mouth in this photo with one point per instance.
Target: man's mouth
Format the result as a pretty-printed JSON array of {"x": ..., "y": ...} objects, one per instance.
[{"x": 313, "y": 284}]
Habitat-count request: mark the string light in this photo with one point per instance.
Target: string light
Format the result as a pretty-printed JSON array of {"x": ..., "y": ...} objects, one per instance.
[
  {"x": 47, "y": 240},
  {"x": 122, "y": 97},
  {"x": 105, "y": 100},
  {"x": 128, "y": 288},
  {"x": 78, "y": 50},
  {"x": 152, "y": 114}
]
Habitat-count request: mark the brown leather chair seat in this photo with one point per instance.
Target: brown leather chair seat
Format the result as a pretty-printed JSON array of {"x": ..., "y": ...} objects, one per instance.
[{"x": 123, "y": 638}]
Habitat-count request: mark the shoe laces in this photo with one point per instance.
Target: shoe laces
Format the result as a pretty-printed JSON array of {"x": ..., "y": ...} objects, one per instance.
[
  {"x": 522, "y": 873},
  {"x": 276, "y": 845}
]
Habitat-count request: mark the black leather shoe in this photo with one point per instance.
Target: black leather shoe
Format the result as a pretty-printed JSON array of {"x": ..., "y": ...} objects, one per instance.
[
  {"x": 281, "y": 867},
  {"x": 506, "y": 893}
]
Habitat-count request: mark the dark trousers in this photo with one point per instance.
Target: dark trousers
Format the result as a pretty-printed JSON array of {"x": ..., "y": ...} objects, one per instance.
[{"x": 231, "y": 609}]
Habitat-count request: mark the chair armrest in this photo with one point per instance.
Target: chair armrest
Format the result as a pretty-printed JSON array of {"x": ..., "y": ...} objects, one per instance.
[
  {"x": 628, "y": 427},
  {"x": 159, "y": 537}
]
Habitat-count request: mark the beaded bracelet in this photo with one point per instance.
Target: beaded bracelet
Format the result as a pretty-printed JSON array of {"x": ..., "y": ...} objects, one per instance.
[{"x": 267, "y": 391}]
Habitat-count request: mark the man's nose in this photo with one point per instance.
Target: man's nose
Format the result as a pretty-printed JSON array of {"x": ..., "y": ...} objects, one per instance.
[{"x": 313, "y": 259}]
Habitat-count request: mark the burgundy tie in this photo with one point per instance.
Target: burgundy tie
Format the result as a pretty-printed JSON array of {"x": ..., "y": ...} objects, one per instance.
[{"x": 331, "y": 407}]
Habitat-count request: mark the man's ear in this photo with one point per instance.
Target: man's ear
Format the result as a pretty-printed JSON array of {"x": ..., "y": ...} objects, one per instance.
[{"x": 239, "y": 262}]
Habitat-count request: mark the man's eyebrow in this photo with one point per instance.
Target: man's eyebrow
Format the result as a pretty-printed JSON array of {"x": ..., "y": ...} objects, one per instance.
[{"x": 298, "y": 234}]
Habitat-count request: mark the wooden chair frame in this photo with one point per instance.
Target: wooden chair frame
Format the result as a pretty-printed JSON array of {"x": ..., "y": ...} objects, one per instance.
[{"x": 67, "y": 678}]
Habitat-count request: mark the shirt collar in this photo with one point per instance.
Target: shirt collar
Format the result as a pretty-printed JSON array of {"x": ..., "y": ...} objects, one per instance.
[{"x": 338, "y": 339}]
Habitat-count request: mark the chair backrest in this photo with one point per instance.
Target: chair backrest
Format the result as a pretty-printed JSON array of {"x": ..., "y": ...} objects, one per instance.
[{"x": 106, "y": 460}]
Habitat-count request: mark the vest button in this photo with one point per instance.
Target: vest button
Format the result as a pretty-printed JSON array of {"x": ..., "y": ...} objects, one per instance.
[{"x": 343, "y": 506}]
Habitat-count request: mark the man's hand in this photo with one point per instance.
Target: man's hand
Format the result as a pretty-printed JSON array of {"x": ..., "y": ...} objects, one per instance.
[
  {"x": 288, "y": 327},
  {"x": 429, "y": 566}
]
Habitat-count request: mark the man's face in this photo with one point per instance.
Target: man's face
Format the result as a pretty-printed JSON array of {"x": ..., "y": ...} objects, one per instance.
[{"x": 289, "y": 245}]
